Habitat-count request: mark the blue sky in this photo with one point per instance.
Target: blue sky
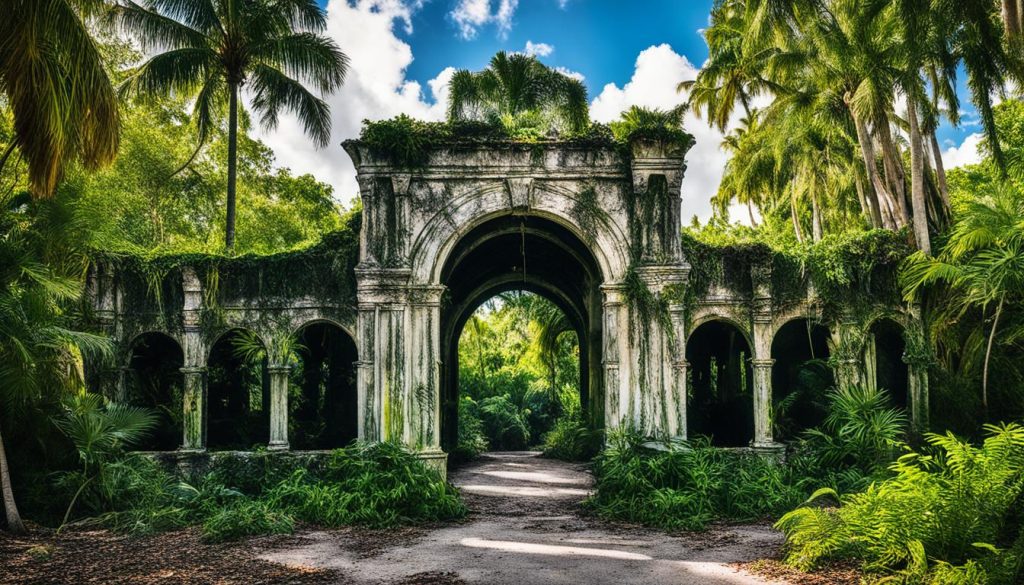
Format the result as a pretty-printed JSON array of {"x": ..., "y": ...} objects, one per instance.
[{"x": 627, "y": 52}]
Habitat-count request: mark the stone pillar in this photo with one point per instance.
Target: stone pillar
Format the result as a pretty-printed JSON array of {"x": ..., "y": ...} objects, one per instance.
[
  {"x": 847, "y": 354},
  {"x": 125, "y": 374},
  {"x": 278, "y": 407},
  {"x": 763, "y": 436},
  {"x": 917, "y": 383},
  {"x": 423, "y": 420},
  {"x": 194, "y": 402},
  {"x": 614, "y": 324}
]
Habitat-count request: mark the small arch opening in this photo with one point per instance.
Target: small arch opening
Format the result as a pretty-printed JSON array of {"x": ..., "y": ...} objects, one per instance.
[
  {"x": 322, "y": 397},
  {"x": 801, "y": 377},
  {"x": 238, "y": 390},
  {"x": 884, "y": 360},
  {"x": 153, "y": 380},
  {"x": 721, "y": 385}
]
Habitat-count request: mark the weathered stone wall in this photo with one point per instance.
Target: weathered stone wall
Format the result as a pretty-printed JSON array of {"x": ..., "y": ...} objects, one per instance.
[{"x": 617, "y": 208}]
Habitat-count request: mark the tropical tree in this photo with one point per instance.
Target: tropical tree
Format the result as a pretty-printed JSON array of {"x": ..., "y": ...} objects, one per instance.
[
  {"x": 519, "y": 92},
  {"x": 982, "y": 264},
  {"x": 52, "y": 78},
  {"x": 41, "y": 263},
  {"x": 212, "y": 49}
]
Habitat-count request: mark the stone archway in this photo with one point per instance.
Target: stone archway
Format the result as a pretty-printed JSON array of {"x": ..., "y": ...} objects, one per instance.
[
  {"x": 605, "y": 243},
  {"x": 519, "y": 252}
]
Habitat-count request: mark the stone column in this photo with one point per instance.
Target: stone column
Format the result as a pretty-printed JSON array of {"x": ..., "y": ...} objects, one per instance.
[
  {"x": 278, "y": 406},
  {"x": 763, "y": 436},
  {"x": 194, "y": 402},
  {"x": 121, "y": 392},
  {"x": 612, "y": 318}
]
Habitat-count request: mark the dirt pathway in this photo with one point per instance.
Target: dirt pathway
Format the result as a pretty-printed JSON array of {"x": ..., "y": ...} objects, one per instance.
[{"x": 525, "y": 528}]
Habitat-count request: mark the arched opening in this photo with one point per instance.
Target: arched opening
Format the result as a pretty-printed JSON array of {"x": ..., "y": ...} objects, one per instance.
[
  {"x": 519, "y": 373},
  {"x": 238, "y": 394},
  {"x": 800, "y": 377},
  {"x": 522, "y": 253},
  {"x": 884, "y": 363},
  {"x": 721, "y": 382},
  {"x": 154, "y": 380},
  {"x": 322, "y": 400}
]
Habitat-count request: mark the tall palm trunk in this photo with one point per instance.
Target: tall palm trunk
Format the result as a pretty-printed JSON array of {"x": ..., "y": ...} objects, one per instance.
[
  {"x": 868, "y": 203},
  {"x": 940, "y": 170},
  {"x": 796, "y": 217},
  {"x": 14, "y": 523},
  {"x": 1012, "y": 18},
  {"x": 893, "y": 165},
  {"x": 815, "y": 217},
  {"x": 750, "y": 212},
  {"x": 229, "y": 229},
  {"x": 867, "y": 148},
  {"x": 917, "y": 194},
  {"x": 988, "y": 355}
]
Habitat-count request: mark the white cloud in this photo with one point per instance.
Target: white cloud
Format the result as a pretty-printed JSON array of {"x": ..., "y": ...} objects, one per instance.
[
  {"x": 658, "y": 71},
  {"x": 471, "y": 15},
  {"x": 538, "y": 49},
  {"x": 375, "y": 88},
  {"x": 965, "y": 154},
  {"x": 570, "y": 73}
]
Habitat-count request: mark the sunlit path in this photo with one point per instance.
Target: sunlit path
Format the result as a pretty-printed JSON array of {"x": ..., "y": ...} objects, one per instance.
[{"x": 526, "y": 527}]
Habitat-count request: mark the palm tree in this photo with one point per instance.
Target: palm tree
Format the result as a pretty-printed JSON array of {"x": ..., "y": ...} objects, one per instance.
[
  {"x": 215, "y": 48},
  {"x": 515, "y": 87},
  {"x": 982, "y": 263},
  {"x": 53, "y": 78},
  {"x": 40, "y": 270}
]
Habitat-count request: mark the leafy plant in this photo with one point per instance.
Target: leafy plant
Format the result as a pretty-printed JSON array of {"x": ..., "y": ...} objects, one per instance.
[
  {"x": 572, "y": 440},
  {"x": 947, "y": 515},
  {"x": 862, "y": 428},
  {"x": 100, "y": 433}
]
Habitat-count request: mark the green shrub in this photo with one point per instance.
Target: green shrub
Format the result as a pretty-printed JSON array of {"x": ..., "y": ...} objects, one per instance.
[
  {"x": 248, "y": 518},
  {"x": 504, "y": 423},
  {"x": 379, "y": 485},
  {"x": 678, "y": 486},
  {"x": 957, "y": 508},
  {"x": 571, "y": 440},
  {"x": 374, "y": 484},
  {"x": 472, "y": 441}
]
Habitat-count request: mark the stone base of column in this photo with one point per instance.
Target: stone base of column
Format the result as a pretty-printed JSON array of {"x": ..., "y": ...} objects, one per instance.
[
  {"x": 280, "y": 446},
  {"x": 435, "y": 459},
  {"x": 769, "y": 448}
]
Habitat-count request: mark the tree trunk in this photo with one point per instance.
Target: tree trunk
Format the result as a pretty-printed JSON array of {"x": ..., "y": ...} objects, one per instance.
[
  {"x": 14, "y": 523},
  {"x": 917, "y": 195},
  {"x": 229, "y": 229},
  {"x": 867, "y": 148},
  {"x": 795, "y": 216},
  {"x": 1011, "y": 18},
  {"x": 940, "y": 171},
  {"x": 868, "y": 203},
  {"x": 750, "y": 212},
  {"x": 815, "y": 217},
  {"x": 988, "y": 354},
  {"x": 893, "y": 165}
]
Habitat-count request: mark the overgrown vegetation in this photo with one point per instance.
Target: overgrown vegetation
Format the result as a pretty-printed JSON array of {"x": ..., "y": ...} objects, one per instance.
[
  {"x": 380, "y": 485},
  {"x": 949, "y": 514},
  {"x": 519, "y": 379},
  {"x": 686, "y": 486}
]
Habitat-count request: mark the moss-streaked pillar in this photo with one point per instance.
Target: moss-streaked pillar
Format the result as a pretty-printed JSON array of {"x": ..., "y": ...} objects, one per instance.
[
  {"x": 278, "y": 407},
  {"x": 194, "y": 420},
  {"x": 763, "y": 437}
]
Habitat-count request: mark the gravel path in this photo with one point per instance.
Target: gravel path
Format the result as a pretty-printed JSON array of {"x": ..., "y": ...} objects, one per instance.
[{"x": 525, "y": 528}]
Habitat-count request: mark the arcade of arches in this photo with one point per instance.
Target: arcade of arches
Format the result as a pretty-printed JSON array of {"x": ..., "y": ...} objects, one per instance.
[{"x": 592, "y": 228}]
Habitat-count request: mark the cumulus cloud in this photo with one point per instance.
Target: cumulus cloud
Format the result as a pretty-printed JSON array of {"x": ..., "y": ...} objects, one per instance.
[
  {"x": 375, "y": 88},
  {"x": 658, "y": 71},
  {"x": 471, "y": 15},
  {"x": 570, "y": 73},
  {"x": 965, "y": 154},
  {"x": 538, "y": 49}
]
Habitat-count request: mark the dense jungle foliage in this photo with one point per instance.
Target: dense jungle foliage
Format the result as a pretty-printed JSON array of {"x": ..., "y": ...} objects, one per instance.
[{"x": 835, "y": 156}]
